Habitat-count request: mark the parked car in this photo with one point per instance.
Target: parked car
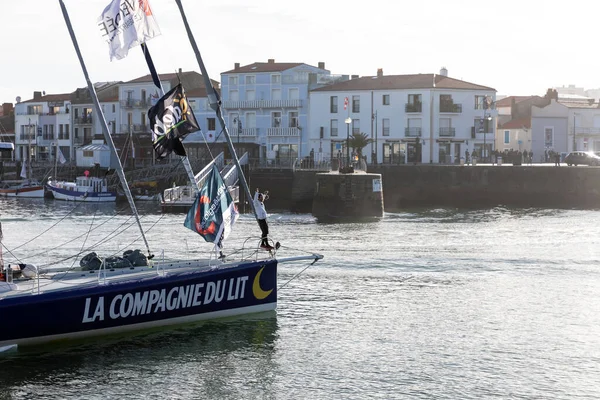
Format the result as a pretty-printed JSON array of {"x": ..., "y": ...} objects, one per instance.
[{"x": 582, "y": 157}]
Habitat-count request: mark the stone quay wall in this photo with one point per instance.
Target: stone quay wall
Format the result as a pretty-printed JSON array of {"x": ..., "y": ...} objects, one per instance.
[{"x": 407, "y": 186}]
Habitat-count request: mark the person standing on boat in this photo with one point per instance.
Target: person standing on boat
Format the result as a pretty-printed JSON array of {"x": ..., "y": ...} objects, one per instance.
[{"x": 261, "y": 215}]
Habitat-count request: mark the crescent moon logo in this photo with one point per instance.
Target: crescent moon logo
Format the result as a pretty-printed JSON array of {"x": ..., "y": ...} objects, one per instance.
[{"x": 257, "y": 290}]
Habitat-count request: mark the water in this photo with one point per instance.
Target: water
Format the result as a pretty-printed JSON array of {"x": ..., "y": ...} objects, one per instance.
[{"x": 445, "y": 304}]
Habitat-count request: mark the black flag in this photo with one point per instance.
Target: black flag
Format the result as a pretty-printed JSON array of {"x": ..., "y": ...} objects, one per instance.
[{"x": 171, "y": 120}]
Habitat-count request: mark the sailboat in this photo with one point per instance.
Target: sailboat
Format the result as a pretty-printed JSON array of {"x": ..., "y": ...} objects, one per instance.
[
  {"x": 26, "y": 187},
  {"x": 39, "y": 305}
]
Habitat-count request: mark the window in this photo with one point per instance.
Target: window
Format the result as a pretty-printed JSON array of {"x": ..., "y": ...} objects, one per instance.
[
  {"x": 333, "y": 127},
  {"x": 51, "y": 132},
  {"x": 275, "y": 79},
  {"x": 356, "y": 126},
  {"x": 479, "y": 102},
  {"x": 113, "y": 108},
  {"x": 385, "y": 122},
  {"x": 233, "y": 80},
  {"x": 234, "y": 95},
  {"x": 293, "y": 116},
  {"x": 76, "y": 132},
  {"x": 355, "y": 104},
  {"x": 275, "y": 94},
  {"x": 333, "y": 105},
  {"x": 66, "y": 131},
  {"x": 483, "y": 125},
  {"x": 88, "y": 153},
  {"x": 76, "y": 113},
  {"x": 293, "y": 94},
  {"x": 276, "y": 119},
  {"x": 143, "y": 95},
  {"x": 506, "y": 137},
  {"x": 61, "y": 131},
  {"x": 250, "y": 95},
  {"x": 549, "y": 137},
  {"x": 143, "y": 118},
  {"x": 129, "y": 119},
  {"x": 251, "y": 120},
  {"x": 414, "y": 103},
  {"x": 385, "y": 99},
  {"x": 250, "y": 79},
  {"x": 210, "y": 122}
]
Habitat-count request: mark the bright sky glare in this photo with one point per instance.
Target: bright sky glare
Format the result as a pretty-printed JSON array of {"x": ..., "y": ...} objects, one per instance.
[{"x": 517, "y": 47}]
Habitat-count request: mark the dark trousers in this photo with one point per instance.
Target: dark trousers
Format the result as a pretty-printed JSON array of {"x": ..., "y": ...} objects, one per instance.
[{"x": 264, "y": 228}]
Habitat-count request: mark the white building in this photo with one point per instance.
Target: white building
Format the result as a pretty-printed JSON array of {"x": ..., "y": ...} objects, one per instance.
[
  {"x": 41, "y": 123},
  {"x": 426, "y": 118},
  {"x": 565, "y": 126}
]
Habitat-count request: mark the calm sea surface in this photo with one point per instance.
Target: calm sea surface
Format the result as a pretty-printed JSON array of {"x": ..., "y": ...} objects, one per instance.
[{"x": 425, "y": 304}]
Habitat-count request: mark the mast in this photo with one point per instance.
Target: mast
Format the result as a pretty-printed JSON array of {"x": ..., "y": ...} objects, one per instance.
[
  {"x": 56, "y": 160},
  {"x": 104, "y": 125},
  {"x": 184, "y": 159},
  {"x": 215, "y": 104}
]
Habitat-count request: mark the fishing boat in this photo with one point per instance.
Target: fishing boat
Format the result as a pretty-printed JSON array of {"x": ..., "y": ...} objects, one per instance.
[
  {"x": 26, "y": 187},
  {"x": 84, "y": 188},
  {"x": 22, "y": 188},
  {"x": 106, "y": 295}
]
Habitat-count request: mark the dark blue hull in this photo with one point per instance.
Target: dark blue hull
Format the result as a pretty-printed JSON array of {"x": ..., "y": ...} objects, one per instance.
[{"x": 179, "y": 297}]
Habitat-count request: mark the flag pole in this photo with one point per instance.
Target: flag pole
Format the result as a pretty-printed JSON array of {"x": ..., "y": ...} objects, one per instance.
[
  {"x": 215, "y": 104},
  {"x": 104, "y": 125},
  {"x": 184, "y": 159}
]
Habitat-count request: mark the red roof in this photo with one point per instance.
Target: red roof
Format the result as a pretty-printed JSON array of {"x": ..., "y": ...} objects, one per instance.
[
  {"x": 51, "y": 97},
  {"x": 507, "y": 101},
  {"x": 520, "y": 123},
  {"x": 263, "y": 67},
  {"x": 390, "y": 82}
]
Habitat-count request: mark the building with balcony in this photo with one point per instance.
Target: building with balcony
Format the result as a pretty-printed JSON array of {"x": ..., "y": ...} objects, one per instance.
[
  {"x": 566, "y": 124},
  {"x": 266, "y": 107},
  {"x": 38, "y": 123},
  {"x": 426, "y": 118},
  {"x": 138, "y": 95},
  {"x": 86, "y": 126}
]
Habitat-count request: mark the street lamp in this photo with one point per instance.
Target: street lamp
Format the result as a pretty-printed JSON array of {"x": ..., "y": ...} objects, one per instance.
[
  {"x": 487, "y": 104},
  {"x": 348, "y": 121}
]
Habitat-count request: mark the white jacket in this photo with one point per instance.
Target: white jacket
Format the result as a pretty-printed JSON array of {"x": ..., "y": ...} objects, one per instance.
[{"x": 259, "y": 207}]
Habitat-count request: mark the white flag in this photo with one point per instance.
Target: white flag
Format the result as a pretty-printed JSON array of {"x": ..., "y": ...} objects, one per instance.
[
  {"x": 125, "y": 24},
  {"x": 61, "y": 157},
  {"x": 24, "y": 169}
]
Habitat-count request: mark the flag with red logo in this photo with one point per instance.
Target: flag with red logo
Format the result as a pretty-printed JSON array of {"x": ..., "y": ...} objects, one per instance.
[
  {"x": 125, "y": 24},
  {"x": 345, "y": 103},
  {"x": 213, "y": 213}
]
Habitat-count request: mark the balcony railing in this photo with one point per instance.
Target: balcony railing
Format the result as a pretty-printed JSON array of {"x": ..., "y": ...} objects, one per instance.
[
  {"x": 78, "y": 140},
  {"x": 255, "y": 104},
  {"x": 447, "y": 107},
  {"x": 244, "y": 132},
  {"x": 83, "y": 120},
  {"x": 579, "y": 130},
  {"x": 131, "y": 103},
  {"x": 412, "y": 132},
  {"x": 447, "y": 132},
  {"x": 283, "y": 132},
  {"x": 135, "y": 128},
  {"x": 413, "y": 107}
]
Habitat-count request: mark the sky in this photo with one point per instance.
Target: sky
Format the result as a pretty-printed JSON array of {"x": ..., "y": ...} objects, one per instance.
[{"x": 518, "y": 47}]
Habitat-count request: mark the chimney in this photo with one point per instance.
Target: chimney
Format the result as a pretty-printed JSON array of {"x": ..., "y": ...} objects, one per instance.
[
  {"x": 37, "y": 95},
  {"x": 236, "y": 66},
  {"x": 443, "y": 71},
  {"x": 271, "y": 61},
  {"x": 380, "y": 72},
  {"x": 180, "y": 71},
  {"x": 354, "y": 77},
  {"x": 7, "y": 108},
  {"x": 321, "y": 65}
]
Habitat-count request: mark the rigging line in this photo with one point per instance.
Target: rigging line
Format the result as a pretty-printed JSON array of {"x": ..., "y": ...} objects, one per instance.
[
  {"x": 140, "y": 236},
  {"x": 95, "y": 244},
  {"x": 58, "y": 222},
  {"x": 297, "y": 275},
  {"x": 45, "y": 251}
]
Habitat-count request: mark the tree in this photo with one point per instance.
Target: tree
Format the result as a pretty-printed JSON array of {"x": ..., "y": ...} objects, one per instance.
[{"x": 358, "y": 141}]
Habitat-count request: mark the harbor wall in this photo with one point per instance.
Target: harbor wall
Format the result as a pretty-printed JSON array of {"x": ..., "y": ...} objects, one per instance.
[{"x": 407, "y": 186}]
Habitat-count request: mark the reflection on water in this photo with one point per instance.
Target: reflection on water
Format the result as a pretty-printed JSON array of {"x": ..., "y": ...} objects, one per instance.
[
  {"x": 197, "y": 358},
  {"x": 426, "y": 303}
]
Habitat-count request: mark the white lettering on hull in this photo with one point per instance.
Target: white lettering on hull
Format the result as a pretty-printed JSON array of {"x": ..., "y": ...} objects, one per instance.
[{"x": 158, "y": 301}]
